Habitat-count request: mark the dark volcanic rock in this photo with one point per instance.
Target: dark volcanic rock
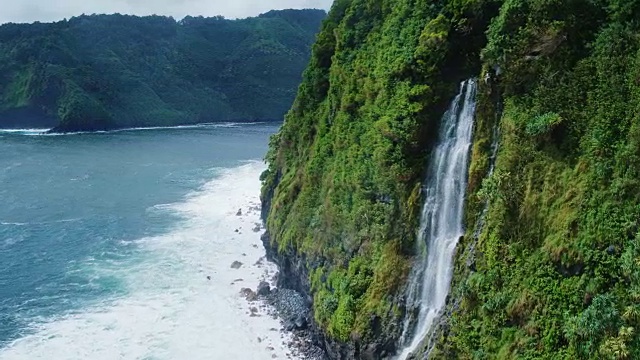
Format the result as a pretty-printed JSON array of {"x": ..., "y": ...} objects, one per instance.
[
  {"x": 290, "y": 304},
  {"x": 293, "y": 300},
  {"x": 264, "y": 289},
  {"x": 300, "y": 323},
  {"x": 249, "y": 294}
]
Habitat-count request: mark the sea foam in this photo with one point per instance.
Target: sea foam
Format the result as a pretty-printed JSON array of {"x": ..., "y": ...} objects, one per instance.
[
  {"x": 169, "y": 309},
  {"x": 25, "y": 131},
  {"x": 45, "y": 132}
]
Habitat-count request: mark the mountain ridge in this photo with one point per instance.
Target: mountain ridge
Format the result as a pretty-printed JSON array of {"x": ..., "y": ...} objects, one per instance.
[{"x": 100, "y": 72}]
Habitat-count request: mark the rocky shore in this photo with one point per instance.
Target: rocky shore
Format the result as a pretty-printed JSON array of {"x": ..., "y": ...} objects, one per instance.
[
  {"x": 274, "y": 297},
  {"x": 294, "y": 312},
  {"x": 294, "y": 302}
]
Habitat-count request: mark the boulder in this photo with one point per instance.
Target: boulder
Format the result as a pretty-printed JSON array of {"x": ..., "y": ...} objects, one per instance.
[
  {"x": 300, "y": 323},
  {"x": 248, "y": 294},
  {"x": 264, "y": 289}
]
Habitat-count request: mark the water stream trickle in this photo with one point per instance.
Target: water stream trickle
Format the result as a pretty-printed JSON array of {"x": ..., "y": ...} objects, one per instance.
[{"x": 441, "y": 219}]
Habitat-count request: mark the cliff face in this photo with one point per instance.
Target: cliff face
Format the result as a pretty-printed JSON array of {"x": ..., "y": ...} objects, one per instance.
[
  {"x": 112, "y": 71},
  {"x": 554, "y": 270},
  {"x": 343, "y": 188},
  {"x": 548, "y": 267}
]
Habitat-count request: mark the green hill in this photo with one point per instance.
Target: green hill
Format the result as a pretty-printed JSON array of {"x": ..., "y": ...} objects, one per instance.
[
  {"x": 109, "y": 71},
  {"x": 553, "y": 270}
]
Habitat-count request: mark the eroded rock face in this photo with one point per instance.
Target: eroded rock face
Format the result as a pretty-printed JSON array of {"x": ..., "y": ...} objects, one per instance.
[
  {"x": 263, "y": 289},
  {"x": 293, "y": 300}
]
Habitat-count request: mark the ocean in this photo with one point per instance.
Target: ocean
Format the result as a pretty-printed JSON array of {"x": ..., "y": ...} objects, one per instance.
[{"x": 119, "y": 245}]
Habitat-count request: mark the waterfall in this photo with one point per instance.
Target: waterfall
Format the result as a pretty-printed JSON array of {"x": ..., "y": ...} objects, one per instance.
[{"x": 441, "y": 218}]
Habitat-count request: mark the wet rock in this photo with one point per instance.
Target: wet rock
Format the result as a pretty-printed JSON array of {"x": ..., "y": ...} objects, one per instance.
[
  {"x": 384, "y": 198},
  {"x": 471, "y": 265},
  {"x": 370, "y": 351},
  {"x": 289, "y": 326},
  {"x": 236, "y": 265},
  {"x": 239, "y": 213},
  {"x": 300, "y": 323},
  {"x": 257, "y": 228},
  {"x": 290, "y": 304},
  {"x": 309, "y": 342},
  {"x": 570, "y": 270},
  {"x": 249, "y": 294},
  {"x": 264, "y": 289}
]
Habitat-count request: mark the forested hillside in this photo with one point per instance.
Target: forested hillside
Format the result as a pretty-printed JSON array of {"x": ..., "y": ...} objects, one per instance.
[
  {"x": 109, "y": 71},
  {"x": 551, "y": 269}
]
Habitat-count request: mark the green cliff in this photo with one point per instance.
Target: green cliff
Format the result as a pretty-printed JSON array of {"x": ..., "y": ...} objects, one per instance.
[
  {"x": 109, "y": 71},
  {"x": 551, "y": 269}
]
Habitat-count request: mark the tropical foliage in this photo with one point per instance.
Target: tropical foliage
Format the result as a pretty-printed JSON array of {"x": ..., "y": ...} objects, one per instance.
[
  {"x": 345, "y": 171},
  {"x": 553, "y": 270},
  {"x": 105, "y": 71}
]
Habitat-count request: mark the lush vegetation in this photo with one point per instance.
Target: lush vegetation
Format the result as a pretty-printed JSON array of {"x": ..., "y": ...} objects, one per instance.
[
  {"x": 555, "y": 270},
  {"x": 105, "y": 71},
  {"x": 345, "y": 171}
]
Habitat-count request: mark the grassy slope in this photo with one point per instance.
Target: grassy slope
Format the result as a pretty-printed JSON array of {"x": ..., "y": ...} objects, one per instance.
[{"x": 345, "y": 171}]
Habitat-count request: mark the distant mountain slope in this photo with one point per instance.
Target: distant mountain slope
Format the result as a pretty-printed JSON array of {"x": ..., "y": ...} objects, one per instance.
[{"x": 110, "y": 71}]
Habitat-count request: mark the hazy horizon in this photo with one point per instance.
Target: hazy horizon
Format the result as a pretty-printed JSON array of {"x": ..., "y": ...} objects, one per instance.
[{"x": 29, "y": 11}]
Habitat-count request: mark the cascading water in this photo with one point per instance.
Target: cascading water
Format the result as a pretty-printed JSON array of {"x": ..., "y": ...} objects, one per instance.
[{"x": 441, "y": 219}]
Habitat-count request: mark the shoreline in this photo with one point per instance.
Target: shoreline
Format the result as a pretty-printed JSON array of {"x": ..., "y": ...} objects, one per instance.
[
  {"x": 182, "y": 296},
  {"x": 286, "y": 306}
]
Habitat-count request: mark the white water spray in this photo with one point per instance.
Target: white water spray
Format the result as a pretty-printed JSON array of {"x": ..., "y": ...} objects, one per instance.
[{"x": 441, "y": 219}]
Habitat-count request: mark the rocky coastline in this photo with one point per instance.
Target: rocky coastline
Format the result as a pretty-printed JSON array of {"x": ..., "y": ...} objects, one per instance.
[
  {"x": 294, "y": 312},
  {"x": 293, "y": 302}
]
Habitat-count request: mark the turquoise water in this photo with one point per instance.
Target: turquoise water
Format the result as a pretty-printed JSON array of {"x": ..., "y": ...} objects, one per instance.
[{"x": 76, "y": 207}]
